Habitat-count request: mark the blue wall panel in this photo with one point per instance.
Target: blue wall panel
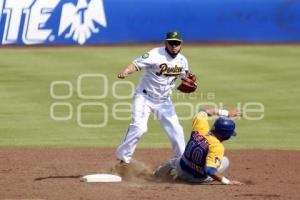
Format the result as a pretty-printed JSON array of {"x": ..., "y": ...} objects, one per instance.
[{"x": 131, "y": 21}]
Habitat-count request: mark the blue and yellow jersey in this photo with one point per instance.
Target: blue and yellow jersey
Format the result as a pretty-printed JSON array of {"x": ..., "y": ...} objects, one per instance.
[{"x": 202, "y": 150}]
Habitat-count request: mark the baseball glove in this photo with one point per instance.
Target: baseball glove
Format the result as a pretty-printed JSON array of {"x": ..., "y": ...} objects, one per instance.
[{"x": 188, "y": 83}]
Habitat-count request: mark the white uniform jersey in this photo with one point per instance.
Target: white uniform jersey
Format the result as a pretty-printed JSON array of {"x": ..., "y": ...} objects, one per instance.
[
  {"x": 161, "y": 72},
  {"x": 153, "y": 95}
]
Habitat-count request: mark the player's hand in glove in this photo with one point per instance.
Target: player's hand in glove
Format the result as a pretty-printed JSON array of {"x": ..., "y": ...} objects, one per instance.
[{"x": 188, "y": 84}]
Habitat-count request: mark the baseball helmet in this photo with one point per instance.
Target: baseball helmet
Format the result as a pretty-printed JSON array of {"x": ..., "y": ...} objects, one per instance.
[{"x": 225, "y": 127}]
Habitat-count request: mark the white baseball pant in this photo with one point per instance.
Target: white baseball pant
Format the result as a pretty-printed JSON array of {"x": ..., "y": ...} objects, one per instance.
[{"x": 143, "y": 105}]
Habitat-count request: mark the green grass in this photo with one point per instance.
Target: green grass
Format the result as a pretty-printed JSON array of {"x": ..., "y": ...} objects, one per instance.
[{"x": 231, "y": 76}]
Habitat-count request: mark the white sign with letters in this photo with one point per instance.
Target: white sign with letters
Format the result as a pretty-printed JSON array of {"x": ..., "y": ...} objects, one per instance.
[{"x": 26, "y": 20}]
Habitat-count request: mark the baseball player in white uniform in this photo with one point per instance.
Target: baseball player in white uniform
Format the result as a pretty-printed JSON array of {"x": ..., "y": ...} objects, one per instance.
[{"x": 162, "y": 67}]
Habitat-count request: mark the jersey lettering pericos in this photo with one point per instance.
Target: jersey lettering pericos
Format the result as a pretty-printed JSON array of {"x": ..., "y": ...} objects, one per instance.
[{"x": 161, "y": 72}]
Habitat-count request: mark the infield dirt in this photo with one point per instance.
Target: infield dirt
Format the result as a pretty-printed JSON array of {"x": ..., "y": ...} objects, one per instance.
[{"x": 53, "y": 173}]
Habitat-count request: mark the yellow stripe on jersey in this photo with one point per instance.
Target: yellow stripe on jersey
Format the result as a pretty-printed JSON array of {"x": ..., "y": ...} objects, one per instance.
[{"x": 216, "y": 148}]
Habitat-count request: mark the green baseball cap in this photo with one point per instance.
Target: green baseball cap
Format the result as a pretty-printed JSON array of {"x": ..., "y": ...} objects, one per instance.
[{"x": 173, "y": 36}]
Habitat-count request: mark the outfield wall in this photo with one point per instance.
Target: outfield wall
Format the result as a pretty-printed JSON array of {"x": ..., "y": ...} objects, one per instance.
[{"x": 133, "y": 21}]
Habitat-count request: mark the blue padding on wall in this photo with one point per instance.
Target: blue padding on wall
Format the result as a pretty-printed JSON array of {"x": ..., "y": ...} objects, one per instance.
[{"x": 132, "y": 21}]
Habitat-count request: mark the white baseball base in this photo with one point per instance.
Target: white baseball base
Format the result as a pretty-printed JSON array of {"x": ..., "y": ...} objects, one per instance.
[{"x": 101, "y": 178}]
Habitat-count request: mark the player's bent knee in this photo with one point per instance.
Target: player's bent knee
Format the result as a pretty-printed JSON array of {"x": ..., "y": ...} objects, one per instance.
[
  {"x": 138, "y": 128},
  {"x": 224, "y": 165}
]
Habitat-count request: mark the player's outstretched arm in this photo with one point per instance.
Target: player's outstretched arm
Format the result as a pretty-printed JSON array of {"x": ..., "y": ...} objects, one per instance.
[
  {"x": 131, "y": 68},
  {"x": 219, "y": 177},
  {"x": 221, "y": 112}
]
